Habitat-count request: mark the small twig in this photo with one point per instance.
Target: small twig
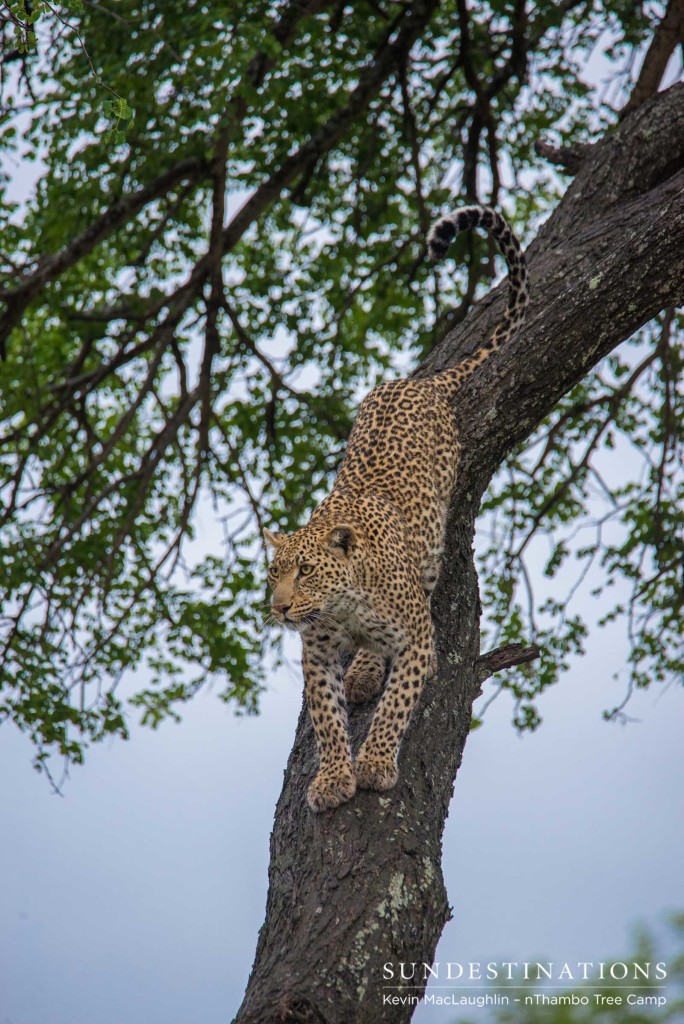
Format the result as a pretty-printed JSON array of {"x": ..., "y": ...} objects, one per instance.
[
  {"x": 505, "y": 657},
  {"x": 570, "y": 158}
]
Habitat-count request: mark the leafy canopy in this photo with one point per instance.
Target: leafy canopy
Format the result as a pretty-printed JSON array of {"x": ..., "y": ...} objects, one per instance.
[{"x": 213, "y": 222}]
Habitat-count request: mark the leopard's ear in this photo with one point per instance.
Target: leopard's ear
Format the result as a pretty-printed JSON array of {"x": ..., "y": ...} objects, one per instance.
[
  {"x": 342, "y": 540},
  {"x": 274, "y": 540}
]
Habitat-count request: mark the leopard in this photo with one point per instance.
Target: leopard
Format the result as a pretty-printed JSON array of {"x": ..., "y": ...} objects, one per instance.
[{"x": 356, "y": 581}]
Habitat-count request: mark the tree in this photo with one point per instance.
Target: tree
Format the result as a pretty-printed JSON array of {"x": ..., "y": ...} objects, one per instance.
[
  {"x": 361, "y": 887},
  {"x": 138, "y": 385},
  {"x": 154, "y": 348}
]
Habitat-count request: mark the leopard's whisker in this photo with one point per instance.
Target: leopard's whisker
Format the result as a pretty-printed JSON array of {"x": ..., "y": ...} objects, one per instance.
[{"x": 270, "y": 620}]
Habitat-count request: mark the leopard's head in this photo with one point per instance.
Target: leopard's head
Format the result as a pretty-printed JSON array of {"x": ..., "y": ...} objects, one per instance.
[{"x": 312, "y": 574}]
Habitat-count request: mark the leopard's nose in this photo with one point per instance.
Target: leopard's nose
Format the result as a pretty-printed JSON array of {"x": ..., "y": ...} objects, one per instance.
[{"x": 280, "y": 607}]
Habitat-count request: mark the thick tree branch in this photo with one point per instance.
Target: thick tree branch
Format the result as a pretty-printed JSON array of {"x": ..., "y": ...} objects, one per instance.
[
  {"x": 606, "y": 262},
  {"x": 366, "y": 879},
  {"x": 667, "y": 35}
]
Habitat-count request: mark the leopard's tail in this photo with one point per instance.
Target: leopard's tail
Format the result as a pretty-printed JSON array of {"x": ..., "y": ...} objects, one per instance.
[{"x": 439, "y": 238}]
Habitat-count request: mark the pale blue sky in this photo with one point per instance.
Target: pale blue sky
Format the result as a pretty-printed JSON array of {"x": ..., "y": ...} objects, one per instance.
[{"x": 138, "y": 896}]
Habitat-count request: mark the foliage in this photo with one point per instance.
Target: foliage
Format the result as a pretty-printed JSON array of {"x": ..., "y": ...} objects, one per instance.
[
  {"x": 647, "y": 950},
  {"x": 566, "y": 499},
  {"x": 191, "y": 308}
]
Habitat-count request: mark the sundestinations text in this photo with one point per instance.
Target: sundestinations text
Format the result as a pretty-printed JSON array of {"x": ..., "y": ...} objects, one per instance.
[{"x": 513, "y": 971}]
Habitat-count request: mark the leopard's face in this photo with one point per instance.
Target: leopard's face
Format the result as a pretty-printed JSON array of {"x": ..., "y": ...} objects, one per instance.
[{"x": 311, "y": 575}]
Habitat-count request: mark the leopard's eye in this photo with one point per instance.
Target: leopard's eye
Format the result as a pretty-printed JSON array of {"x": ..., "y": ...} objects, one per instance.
[
  {"x": 306, "y": 570},
  {"x": 273, "y": 571}
]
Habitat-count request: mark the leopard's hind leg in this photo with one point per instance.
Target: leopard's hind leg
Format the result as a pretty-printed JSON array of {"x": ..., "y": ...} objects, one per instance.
[
  {"x": 364, "y": 678},
  {"x": 376, "y": 762}
]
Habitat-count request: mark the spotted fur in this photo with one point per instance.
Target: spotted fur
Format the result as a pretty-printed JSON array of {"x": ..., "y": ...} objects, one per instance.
[{"x": 359, "y": 576}]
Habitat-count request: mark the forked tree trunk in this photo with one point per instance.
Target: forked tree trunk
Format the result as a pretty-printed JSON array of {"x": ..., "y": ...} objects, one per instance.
[{"x": 355, "y": 888}]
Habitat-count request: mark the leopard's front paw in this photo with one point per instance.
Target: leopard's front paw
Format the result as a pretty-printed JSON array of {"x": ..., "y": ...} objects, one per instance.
[
  {"x": 374, "y": 771},
  {"x": 364, "y": 678},
  {"x": 331, "y": 787}
]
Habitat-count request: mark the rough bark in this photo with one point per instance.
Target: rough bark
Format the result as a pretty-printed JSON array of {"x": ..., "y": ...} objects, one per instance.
[{"x": 355, "y": 888}]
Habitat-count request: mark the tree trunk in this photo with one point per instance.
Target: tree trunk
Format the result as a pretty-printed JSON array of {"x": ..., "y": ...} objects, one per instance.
[{"x": 361, "y": 886}]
